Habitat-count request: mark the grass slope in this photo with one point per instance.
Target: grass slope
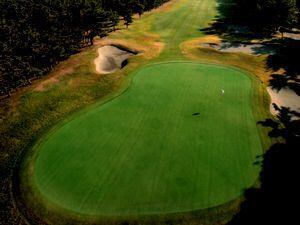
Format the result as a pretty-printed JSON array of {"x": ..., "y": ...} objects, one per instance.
[{"x": 145, "y": 152}]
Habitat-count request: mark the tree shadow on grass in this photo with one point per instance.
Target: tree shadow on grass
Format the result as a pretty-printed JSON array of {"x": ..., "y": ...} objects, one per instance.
[
  {"x": 229, "y": 26},
  {"x": 283, "y": 53},
  {"x": 235, "y": 35},
  {"x": 271, "y": 203},
  {"x": 286, "y": 58}
]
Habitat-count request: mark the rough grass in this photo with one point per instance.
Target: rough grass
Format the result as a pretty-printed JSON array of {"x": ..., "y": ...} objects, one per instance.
[
  {"x": 254, "y": 64},
  {"x": 31, "y": 112}
]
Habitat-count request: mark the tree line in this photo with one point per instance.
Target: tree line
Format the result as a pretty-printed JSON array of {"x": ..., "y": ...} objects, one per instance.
[
  {"x": 263, "y": 16},
  {"x": 37, "y": 34}
]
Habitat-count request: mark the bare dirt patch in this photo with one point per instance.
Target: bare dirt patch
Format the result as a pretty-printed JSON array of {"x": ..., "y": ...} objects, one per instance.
[
  {"x": 62, "y": 69},
  {"x": 53, "y": 79},
  {"x": 165, "y": 7}
]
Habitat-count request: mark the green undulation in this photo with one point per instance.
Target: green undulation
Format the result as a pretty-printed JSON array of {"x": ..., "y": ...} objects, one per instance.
[{"x": 172, "y": 142}]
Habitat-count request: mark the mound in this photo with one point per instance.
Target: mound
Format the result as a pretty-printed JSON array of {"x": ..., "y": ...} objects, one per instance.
[{"x": 111, "y": 58}]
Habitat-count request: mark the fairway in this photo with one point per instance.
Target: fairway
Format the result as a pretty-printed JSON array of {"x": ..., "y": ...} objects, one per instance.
[{"x": 172, "y": 142}]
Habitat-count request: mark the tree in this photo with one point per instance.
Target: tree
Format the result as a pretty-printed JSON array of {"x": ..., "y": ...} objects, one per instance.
[
  {"x": 264, "y": 16},
  {"x": 128, "y": 19},
  {"x": 115, "y": 19},
  {"x": 35, "y": 35},
  {"x": 138, "y": 7}
]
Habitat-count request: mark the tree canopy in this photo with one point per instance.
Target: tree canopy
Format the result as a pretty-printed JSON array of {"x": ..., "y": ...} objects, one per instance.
[
  {"x": 37, "y": 34},
  {"x": 264, "y": 16}
]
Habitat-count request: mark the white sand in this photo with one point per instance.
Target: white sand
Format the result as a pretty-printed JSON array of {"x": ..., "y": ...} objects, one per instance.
[
  {"x": 290, "y": 35},
  {"x": 110, "y": 59},
  {"x": 253, "y": 49},
  {"x": 285, "y": 97}
]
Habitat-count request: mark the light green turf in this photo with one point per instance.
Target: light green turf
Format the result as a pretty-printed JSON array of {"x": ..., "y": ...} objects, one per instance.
[
  {"x": 183, "y": 23},
  {"x": 144, "y": 152}
]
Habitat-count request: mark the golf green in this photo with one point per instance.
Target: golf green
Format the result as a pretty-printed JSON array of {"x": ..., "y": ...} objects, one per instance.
[{"x": 172, "y": 142}]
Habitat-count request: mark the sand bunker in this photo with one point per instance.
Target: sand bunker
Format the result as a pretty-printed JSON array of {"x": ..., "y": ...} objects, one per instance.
[
  {"x": 111, "y": 58},
  {"x": 294, "y": 36},
  {"x": 285, "y": 97},
  {"x": 253, "y": 49}
]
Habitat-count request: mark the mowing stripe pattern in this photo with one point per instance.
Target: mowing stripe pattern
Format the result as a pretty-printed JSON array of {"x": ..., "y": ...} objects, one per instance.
[{"x": 171, "y": 143}]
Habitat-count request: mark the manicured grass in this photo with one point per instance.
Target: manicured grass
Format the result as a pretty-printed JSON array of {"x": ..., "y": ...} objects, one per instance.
[
  {"x": 183, "y": 23},
  {"x": 172, "y": 26},
  {"x": 171, "y": 143},
  {"x": 74, "y": 85}
]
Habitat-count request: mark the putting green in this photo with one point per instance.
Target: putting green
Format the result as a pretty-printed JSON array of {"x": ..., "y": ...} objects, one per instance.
[{"x": 171, "y": 143}]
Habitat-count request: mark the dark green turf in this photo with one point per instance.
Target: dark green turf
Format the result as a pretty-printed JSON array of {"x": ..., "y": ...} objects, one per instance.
[{"x": 171, "y": 143}]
